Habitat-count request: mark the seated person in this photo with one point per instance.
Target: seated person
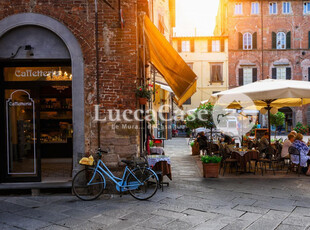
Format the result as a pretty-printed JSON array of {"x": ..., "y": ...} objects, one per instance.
[
  {"x": 264, "y": 143},
  {"x": 247, "y": 138},
  {"x": 226, "y": 138},
  {"x": 202, "y": 140},
  {"x": 303, "y": 149},
  {"x": 287, "y": 143}
]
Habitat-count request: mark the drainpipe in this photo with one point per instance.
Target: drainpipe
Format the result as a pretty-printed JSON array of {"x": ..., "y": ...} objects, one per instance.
[{"x": 97, "y": 69}]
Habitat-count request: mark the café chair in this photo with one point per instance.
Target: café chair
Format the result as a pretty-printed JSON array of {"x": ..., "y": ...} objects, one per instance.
[{"x": 293, "y": 151}]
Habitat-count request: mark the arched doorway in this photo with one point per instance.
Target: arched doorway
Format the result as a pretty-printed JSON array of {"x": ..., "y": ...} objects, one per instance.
[
  {"x": 43, "y": 93},
  {"x": 288, "y": 118}
]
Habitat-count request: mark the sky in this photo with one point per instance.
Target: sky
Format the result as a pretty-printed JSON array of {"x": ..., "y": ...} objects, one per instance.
[{"x": 199, "y": 14}]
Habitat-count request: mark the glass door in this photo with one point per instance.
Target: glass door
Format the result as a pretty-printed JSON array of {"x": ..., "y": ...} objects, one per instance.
[{"x": 21, "y": 136}]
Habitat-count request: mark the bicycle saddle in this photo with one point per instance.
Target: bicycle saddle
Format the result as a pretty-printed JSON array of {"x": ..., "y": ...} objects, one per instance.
[{"x": 127, "y": 162}]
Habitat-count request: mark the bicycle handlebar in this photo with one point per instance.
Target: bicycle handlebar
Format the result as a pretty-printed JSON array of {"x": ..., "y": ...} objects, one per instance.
[{"x": 99, "y": 152}]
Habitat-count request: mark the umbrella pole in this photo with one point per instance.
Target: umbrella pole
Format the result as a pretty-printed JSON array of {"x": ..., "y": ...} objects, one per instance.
[{"x": 268, "y": 109}]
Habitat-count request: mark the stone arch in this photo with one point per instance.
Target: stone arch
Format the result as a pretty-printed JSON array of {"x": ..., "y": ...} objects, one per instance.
[{"x": 77, "y": 63}]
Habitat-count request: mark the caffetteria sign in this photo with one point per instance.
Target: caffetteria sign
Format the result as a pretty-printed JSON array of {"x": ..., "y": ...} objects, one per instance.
[{"x": 37, "y": 73}]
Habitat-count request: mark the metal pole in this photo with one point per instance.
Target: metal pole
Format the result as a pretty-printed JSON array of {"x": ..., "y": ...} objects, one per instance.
[
  {"x": 268, "y": 109},
  {"x": 97, "y": 69}
]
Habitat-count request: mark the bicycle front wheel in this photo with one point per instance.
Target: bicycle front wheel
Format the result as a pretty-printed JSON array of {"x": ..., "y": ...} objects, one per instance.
[
  {"x": 86, "y": 191},
  {"x": 148, "y": 187}
]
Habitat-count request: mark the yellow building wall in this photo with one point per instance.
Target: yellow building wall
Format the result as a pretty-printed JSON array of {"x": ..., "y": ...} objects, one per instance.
[{"x": 201, "y": 60}]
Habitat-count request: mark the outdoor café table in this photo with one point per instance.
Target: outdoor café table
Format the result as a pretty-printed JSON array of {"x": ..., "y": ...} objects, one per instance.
[
  {"x": 157, "y": 150},
  {"x": 160, "y": 163},
  {"x": 244, "y": 156}
]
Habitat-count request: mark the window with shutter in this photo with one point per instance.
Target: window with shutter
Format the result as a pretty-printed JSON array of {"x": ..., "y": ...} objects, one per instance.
[
  {"x": 281, "y": 73},
  {"x": 216, "y": 73},
  {"x": 288, "y": 40},
  {"x": 281, "y": 40},
  {"x": 186, "y": 46},
  {"x": 247, "y": 75},
  {"x": 254, "y": 76},
  {"x": 288, "y": 73},
  {"x": 247, "y": 41},
  {"x": 274, "y": 40},
  {"x": 240, "y": 76}
]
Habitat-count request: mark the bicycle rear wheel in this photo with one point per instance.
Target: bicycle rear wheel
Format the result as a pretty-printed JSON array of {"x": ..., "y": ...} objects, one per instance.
[
  {"x": 149, "y": 183},
  {"x": 81, "y": 188}
]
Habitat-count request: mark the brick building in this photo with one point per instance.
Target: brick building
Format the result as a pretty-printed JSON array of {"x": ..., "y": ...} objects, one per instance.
[
  {"x": 267, "y": 39},
  {"x": 48, "y": 84},
  {"x": 63, "y": 66}
]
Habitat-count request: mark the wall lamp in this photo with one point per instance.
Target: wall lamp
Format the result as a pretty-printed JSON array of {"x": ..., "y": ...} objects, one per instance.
[{"x": 27, "y": 48}]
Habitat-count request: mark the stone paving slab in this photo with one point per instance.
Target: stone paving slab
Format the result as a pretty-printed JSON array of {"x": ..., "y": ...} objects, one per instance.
[{"x": 190, "y": 202}]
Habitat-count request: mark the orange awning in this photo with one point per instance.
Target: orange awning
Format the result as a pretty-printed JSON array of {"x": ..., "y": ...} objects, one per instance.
[{"x": 168, "y": 62}]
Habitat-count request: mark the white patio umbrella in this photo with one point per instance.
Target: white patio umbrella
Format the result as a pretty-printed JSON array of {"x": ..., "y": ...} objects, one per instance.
[{"x": 270, "y": 93}]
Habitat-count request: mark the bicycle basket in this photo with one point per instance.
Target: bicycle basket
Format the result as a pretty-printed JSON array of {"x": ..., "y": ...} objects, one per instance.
[{"x": 87, "y": 161}]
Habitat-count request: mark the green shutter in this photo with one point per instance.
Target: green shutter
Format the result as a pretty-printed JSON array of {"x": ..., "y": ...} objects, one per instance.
[
  {"x": 288, "y": 40},
  {"x": 240, "y": 41},
  {"x": 240, "y": 76},
  {"x": 192, "y": 45},
  {"x": 254, "y": 41},
  {"x": 274, "y": 40},
  {"x": 308, "y": 39}
]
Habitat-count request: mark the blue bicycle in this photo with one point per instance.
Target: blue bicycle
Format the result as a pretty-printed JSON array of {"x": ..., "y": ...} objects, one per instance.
[{"x": 138, "y": 179}]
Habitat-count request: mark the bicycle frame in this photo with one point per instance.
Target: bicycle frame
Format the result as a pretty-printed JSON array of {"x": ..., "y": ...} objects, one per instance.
[{"x": 119, "y": 182}]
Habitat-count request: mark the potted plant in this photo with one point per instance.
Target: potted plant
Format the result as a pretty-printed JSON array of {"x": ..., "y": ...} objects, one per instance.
[
  {"x": 210, "y": 165},
  {"x": 195, "y": 148},
  {"x": 144, "y": 94}
]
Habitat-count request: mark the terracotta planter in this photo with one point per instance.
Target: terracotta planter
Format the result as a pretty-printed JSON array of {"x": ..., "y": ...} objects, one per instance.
[
  {"x": 195, "y": 149},
  {"x": 211, "y": 170},
  {"x": 142, "y": 100}
]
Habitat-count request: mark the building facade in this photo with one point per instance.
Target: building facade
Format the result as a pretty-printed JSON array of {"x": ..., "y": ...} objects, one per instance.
[
  {"x": 50, "y": 64},
  {"x": 267, "y": 39},
  {"x": 208, "y": 58}
]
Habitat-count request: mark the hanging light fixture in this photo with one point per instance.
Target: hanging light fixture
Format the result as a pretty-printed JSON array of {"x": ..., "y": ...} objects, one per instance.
[
  {"x": 273, "y": 110},
  {"x": 263, "y": 111}
]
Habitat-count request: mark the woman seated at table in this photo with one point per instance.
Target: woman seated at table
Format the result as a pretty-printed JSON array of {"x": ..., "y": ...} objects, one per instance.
[
  {"x": 202, "y": 140},
  {"x": 264, "y": 143},
  {"x": 304, "y": 150},
  {"x": 287, "y": 143}
]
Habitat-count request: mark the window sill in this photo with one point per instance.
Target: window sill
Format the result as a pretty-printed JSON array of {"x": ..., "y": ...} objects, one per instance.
[{"x": 216, "y": 82}]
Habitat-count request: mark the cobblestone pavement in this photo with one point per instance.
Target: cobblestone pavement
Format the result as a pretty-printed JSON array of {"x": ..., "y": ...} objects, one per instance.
[{"x": 190, "y": 202}]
